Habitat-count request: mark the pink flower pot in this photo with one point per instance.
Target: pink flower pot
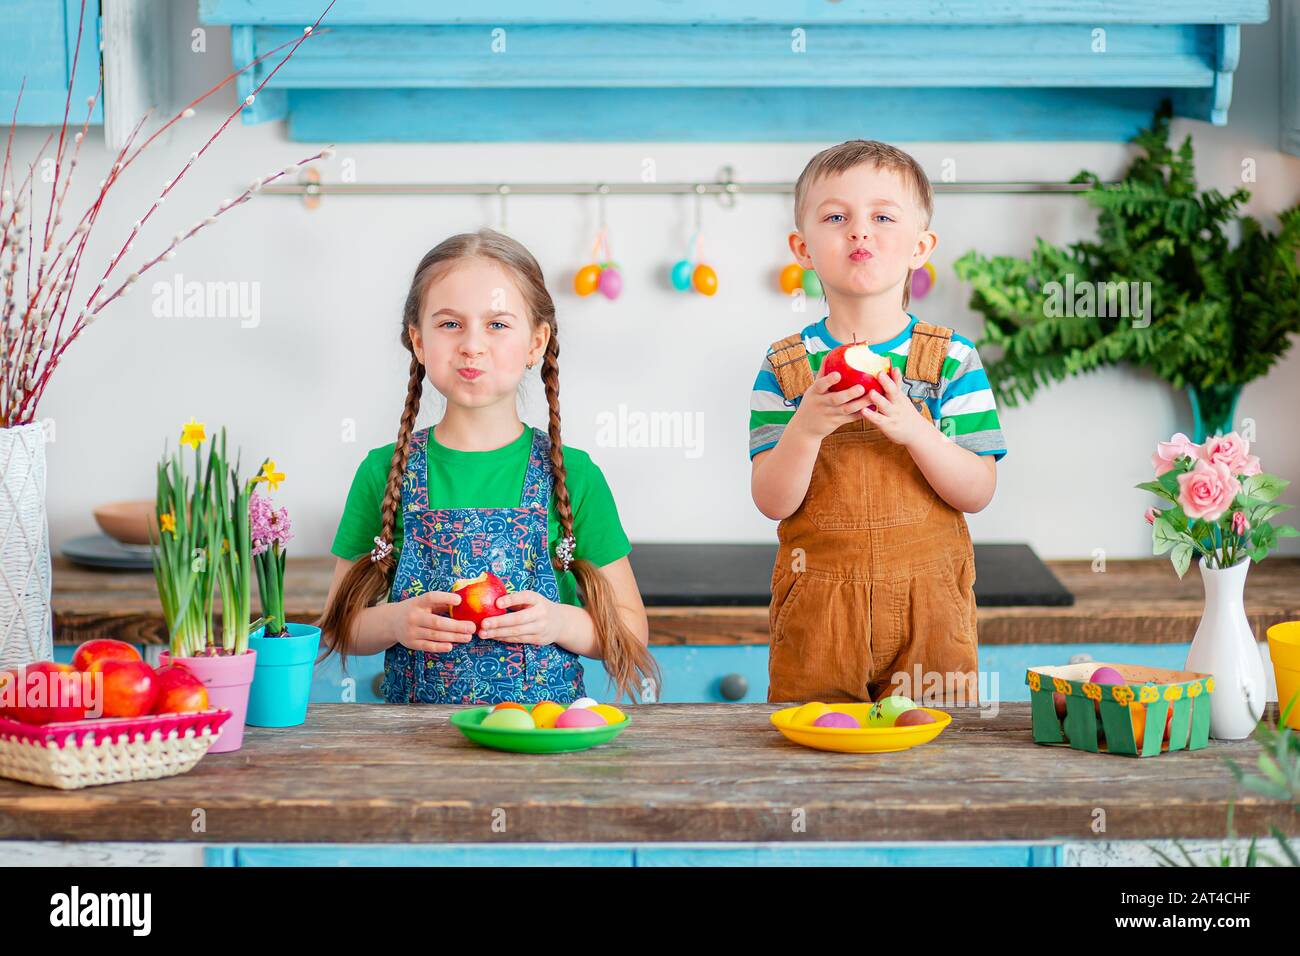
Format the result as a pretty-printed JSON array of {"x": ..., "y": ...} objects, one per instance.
[{"x": 227, "y": 679}]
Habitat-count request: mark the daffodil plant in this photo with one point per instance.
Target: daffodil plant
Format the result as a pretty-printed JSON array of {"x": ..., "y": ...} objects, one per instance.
[{"x": 204, "y": 543}]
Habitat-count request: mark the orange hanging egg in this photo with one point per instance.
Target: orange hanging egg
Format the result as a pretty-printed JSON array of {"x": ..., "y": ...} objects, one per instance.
[
  {"x": 588, "y": 277},
  {"x": 791, "y": 278},
  {"x": 705, "y": 280}
]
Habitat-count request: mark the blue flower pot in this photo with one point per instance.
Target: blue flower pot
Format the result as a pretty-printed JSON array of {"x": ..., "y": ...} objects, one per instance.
[{"x": 282, "y": 680}]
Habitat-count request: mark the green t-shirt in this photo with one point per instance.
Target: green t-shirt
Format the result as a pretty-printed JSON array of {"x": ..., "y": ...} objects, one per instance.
[{"x": 488, "y": 479}]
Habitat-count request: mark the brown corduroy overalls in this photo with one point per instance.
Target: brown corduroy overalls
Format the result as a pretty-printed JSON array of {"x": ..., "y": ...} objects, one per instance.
[{"x": 874, "y": 571}]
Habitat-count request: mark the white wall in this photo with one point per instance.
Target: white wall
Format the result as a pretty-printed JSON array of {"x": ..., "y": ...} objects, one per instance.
[{"x": 332, "y": 283}]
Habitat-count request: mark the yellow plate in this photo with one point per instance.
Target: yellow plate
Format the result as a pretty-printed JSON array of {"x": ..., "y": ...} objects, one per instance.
[{"x": 867, "y": 740}]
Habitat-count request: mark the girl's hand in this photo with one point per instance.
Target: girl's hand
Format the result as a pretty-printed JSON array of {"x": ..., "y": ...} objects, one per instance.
[
  {"x": 421, "y": 623},
  {"x": 539, "y": 621},
  {"x": 895, "y": 415}
]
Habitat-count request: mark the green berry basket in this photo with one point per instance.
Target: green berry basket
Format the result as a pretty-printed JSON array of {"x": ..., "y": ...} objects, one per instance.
[{"x": 1148, "y": 699}]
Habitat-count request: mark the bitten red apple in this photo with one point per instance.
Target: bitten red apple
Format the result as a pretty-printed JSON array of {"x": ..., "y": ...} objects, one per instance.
[
  {"x": 179, "y": 691},
  {"x": 130, "y": 688},
  {"x": 92, "y": 655},
  {"x": 478, "y": 598},
  {"x": 857, "y": 365}
]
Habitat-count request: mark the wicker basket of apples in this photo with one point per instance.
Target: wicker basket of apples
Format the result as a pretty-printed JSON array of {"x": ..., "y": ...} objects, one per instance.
[{"x": 107, "y": 717}]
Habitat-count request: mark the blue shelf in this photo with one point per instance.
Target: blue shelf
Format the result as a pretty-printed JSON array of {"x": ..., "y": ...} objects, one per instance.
[
  {"x": 37, "y": 41},
  {"x": 653, "y": 70}
]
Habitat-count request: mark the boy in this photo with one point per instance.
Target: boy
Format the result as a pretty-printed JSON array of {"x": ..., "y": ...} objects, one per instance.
[{"x": 872, "y": 592}]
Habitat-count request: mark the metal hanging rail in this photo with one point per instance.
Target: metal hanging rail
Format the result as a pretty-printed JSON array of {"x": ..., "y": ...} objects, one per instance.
[{"x": 310, "y": 188}]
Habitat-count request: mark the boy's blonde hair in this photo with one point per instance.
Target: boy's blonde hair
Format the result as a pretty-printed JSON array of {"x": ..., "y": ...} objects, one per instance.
[{"x": 859, "y": 152}]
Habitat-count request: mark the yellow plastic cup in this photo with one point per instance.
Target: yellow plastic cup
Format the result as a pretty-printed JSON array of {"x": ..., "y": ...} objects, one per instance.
[{"x": 1284, "y": 649}]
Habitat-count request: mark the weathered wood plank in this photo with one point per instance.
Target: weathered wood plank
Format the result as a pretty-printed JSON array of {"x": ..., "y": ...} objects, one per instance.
[{"x": 694, "y": 772}]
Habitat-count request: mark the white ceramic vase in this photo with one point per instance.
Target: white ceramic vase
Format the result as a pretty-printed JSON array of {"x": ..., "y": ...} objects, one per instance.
[
  {"x": 1225, "y": 647},
  {"x": 26, "y": 628}
]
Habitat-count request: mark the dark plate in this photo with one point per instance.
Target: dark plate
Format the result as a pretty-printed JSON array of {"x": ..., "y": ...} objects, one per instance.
[{"x": 101, "y": 551}]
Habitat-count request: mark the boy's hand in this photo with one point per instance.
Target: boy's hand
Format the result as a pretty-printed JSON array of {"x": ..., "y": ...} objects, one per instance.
[
  {"x": 821, "y": 411},
  {"x": 895, "y": 415}
]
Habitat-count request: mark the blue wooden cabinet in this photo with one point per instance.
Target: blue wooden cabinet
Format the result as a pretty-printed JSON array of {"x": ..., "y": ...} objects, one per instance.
[
  {"x": 37, "y": 42},
  {"x": 718, "y": 70}
]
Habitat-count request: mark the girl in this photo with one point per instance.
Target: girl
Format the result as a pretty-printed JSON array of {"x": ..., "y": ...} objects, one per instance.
[{"x": 481, "y": 492}]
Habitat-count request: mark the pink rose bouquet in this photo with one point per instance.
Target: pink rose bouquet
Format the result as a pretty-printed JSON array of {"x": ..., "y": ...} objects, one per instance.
[{"x": 1220, "y": 502}]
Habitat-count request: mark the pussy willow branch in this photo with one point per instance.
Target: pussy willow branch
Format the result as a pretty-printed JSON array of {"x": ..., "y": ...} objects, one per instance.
[{"x": 56, "y": 278}]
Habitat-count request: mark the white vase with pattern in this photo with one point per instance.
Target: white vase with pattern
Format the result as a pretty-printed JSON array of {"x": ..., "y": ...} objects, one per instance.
[{"x": 26, "y": 621}]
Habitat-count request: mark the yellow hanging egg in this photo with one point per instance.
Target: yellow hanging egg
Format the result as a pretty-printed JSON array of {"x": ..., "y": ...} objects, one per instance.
[{"x": 587, "y": 279}]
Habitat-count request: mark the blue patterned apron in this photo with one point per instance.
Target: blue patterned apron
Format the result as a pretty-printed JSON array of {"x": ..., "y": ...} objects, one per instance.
[{"x": 441, "y": 545}]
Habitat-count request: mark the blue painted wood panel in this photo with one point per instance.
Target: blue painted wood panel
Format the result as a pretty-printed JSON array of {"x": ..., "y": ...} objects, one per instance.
[
  {"x": 692, "y": 674},
  {"x": 640, "y": 855},
  {"x": 654, "y": 70},
  {"x": 303, "y": 12},
  {"x": 37, "y": 42}
]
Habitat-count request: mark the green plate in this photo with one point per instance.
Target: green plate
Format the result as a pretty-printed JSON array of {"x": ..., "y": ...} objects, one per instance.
[{"x": 540, "y": 741}]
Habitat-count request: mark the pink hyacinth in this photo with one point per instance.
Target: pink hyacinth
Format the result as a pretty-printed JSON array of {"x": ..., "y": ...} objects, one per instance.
[
  {"x": 1233, "y": 451},
  {"x": 1168, "y": 452},
  {"x": 259, "y": 522},
  {"x": 1207, "y": 490},
  {"x": 1239, "y": 523}
]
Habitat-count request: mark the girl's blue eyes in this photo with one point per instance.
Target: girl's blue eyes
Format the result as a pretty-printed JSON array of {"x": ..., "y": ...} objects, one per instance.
[{"x": 447, "y": 322}]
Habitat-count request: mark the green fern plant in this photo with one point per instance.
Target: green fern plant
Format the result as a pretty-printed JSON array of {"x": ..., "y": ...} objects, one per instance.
[{"x": 1220, "y": 315}]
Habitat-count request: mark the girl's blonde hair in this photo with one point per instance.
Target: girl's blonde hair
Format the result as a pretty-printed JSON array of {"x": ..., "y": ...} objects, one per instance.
[{"x": 626, "y": 659}]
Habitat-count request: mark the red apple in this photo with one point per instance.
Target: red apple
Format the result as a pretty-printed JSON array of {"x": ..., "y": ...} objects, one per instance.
[
  {"x": 857, "y": 365},
  {"x": 478, "y": 598},
  {"x": 92, "y": 655},
  {"x": 47, "y": 691},
  {"x": 130, "y": 688},
  {"x": 179, "y": 691}
]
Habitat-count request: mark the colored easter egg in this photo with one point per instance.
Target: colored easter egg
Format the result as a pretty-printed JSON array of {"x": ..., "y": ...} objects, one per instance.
[
  {"x": 588, "y": 277},
  {"x": 611, "y": 714},
  {"x": 544, "y": 713},
  {"x": 812, "y": 286},
  {"x": 509, "y": 705},
  {"x": 913, "y": 718},
  {"x": 1058, "y": 701},
  {"x": 611, "y": 283},
  {"x": 705, "y": 280},
  {"x": 807, "y": 714},
  {"x": 922, "y": 281},
  {"x": 509, "y": 719},
  {"x": 681, "y": 275},
  {"x": 885, "y": 711},
  {"x": 834, "y": 718},
  {"x": 1107, "y": 675},
  {"x": 582, "y": 703},
  {"x": 791, "y": 278},
  {"x": 580, "y": 717}
]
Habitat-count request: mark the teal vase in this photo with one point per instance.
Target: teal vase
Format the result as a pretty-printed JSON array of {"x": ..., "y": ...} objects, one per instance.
[
  {"x": 282, "y": 680},
  {"x": 1214, "y": 409}
]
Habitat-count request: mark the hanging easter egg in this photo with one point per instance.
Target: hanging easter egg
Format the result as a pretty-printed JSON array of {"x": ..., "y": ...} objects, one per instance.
[
  {"x": 588, "y": 277},
  {"x": 791, "y": 278},
  {"x": 681, "y": 275},
  {"x": 922, "y": 281},
  {"x": 611, "y": 282},
  {"x": 704, "y": 279},
  {"x": 812, "y": 286}
]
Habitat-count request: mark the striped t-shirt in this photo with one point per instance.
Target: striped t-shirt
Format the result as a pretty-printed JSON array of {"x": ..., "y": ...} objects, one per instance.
[{"x": 964, "y": 409}]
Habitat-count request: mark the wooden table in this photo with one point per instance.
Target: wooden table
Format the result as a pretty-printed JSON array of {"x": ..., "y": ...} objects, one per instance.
[
  {"x": 1138, "y": 601},
  {"x": 399, "y": 775}
]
